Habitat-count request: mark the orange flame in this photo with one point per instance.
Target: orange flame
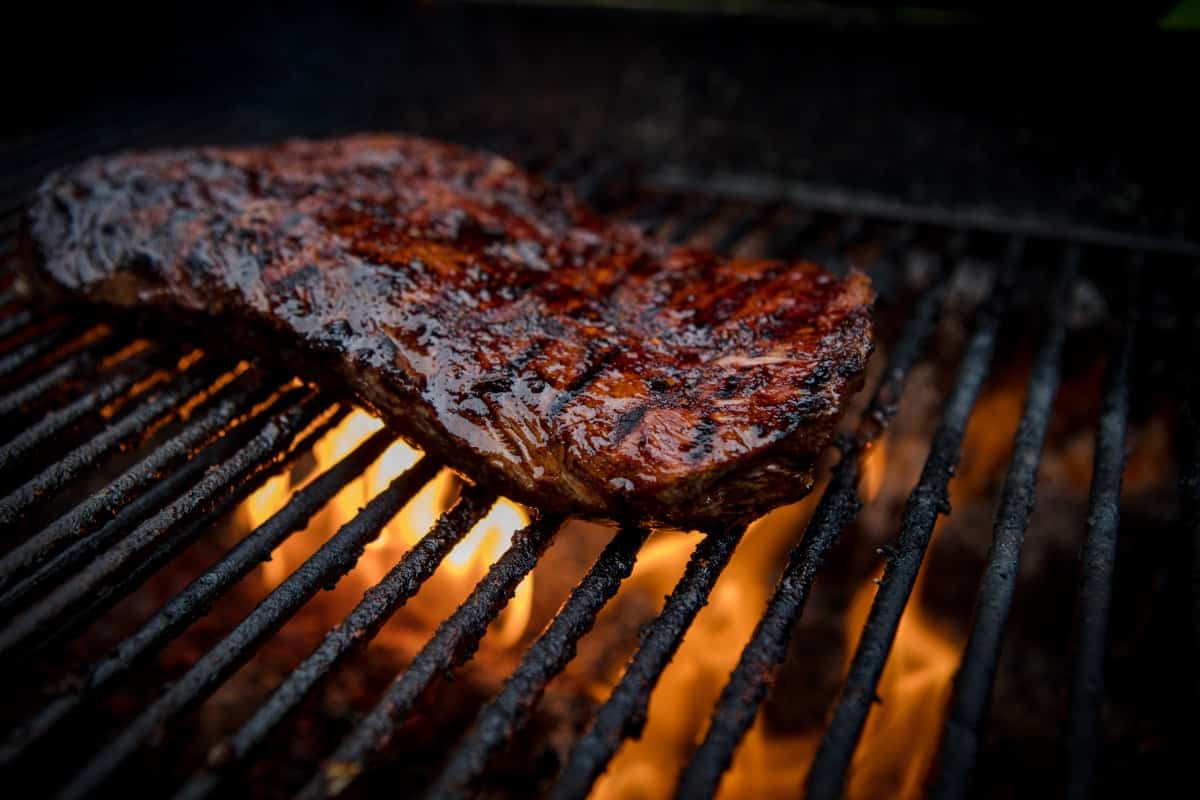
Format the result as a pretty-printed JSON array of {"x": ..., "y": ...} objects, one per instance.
[
  {"x": 459, "y": 572},
  {"x": 681, "y": 703},
  {"x": 901, "y": 735}
]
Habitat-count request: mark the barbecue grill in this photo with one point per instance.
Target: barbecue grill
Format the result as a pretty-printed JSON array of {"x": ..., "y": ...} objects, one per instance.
[{"x": 124, "y": 447}]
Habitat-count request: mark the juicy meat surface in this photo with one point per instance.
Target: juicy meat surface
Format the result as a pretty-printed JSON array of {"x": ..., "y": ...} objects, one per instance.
[{"x": 572, "y": 363}]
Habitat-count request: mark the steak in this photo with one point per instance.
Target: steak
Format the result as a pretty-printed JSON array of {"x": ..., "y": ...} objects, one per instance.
[{"x": 572, "y": 363}]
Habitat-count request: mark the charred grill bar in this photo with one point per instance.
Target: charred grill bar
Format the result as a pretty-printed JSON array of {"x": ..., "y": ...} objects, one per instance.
[
  {"x": 972, "y": 687},
  {"x": 57, "y": 580},
  {"x": 1099, "y": 561},
  {"x": 624, "y": 713},
  {"x": 748, "y": 685},
  {"x": 929, "y": 499},
  {"x": 380, "y": 602},
  {"x": 454, "y": 642},
  {"x": 505, "y": 715}
]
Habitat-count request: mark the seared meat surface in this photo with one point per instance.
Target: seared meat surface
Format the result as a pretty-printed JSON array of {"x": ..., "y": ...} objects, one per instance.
[{"x": 572, "y": 363}]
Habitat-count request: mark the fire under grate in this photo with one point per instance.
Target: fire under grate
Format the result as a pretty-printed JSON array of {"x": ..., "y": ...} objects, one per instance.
[{"x": 234, "y": 425}]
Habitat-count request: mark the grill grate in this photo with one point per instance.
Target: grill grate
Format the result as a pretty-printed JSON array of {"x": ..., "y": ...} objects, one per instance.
[{"x": 240, "y": 424}]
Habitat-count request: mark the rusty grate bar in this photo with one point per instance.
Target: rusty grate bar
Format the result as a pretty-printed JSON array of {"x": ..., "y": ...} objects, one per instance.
[
  {"x": 455, "y": 641},
  {"x": 928, "y": 500},
  {"x": 358, "y": 628},
  {"x": 998, "y": 585}
]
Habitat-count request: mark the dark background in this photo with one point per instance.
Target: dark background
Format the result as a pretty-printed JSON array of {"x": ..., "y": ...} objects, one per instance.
[{"x": 1080, "y": 114}]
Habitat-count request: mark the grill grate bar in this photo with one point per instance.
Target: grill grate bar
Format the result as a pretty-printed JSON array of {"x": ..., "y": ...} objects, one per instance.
[
  {"x": 750, "y": 681},
  {"x": 973, "y": 684},
  {"x": 15, "y": 451},
  {"x": 194, "y": 601},
  {"x": 1098, "y": 560},
  {"x": 158, "y": 406},
  {"x": 324, "y": 568},
  {"x": 119, "y": 504},
  {"x": 979, "y": 219},
  {"x": 36, "y": 346},
  {"x": 928, "y": 500},
  {"x": 624, "y": 713},
  {"x": 35, "y": 388},
  {"x": 327, "y": 417},
  {"x": 15, "y": 321},
  {"x": 507, "y": 714},
  {"x": 358, "y": 628},
  {"x": 268, "y": 448},
  {"x": 455, "y": 641},
  {"x": 973, "y": 681}
]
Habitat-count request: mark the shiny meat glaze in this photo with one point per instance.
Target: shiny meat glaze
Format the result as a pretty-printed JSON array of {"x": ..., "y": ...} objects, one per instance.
[{"x": 571, "y": 362}]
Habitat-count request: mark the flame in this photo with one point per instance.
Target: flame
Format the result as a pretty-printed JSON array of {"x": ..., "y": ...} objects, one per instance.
[
  {"x": 681, "y": 703},
  {"x": 874, "y": 469},
  {"x": 459, "y": 572},
  {"x": 901, "y": 735}
]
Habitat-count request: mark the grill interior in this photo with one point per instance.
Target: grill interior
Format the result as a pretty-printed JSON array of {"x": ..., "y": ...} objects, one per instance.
[
  {"x": 195, "y": 432},
  {"x": 125, "y": 451}
]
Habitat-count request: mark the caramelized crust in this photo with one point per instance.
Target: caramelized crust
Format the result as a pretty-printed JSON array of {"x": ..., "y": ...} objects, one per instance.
[{"x": 490, "y": 318}]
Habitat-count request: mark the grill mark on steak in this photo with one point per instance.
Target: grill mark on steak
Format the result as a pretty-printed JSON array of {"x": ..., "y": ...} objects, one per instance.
[
  {"x": 628, "y": 422},
  {"x": 702, "y": 445},
  {"x": 571, "y": 363},
  {"x": 707, "y": 429},
  {"x": 581, "y": 382}
]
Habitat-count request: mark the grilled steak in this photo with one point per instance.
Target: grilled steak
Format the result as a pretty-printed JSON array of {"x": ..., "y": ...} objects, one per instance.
[{"x": 571, "y": 363}]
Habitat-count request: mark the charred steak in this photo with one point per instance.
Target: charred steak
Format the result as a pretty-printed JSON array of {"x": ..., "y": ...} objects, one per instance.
[{"x": 572, "y": 363}]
